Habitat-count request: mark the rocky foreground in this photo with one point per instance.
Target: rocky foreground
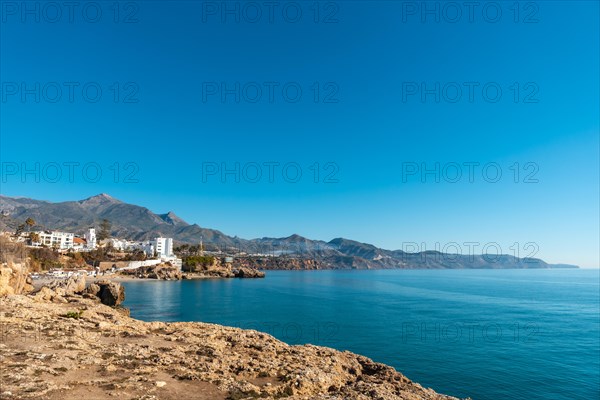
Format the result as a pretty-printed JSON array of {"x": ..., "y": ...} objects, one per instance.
[{"x": 58, "y": 344}]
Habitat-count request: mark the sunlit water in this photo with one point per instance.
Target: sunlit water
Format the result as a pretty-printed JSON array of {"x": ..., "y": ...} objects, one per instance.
[{"x": 487, "y": 334}]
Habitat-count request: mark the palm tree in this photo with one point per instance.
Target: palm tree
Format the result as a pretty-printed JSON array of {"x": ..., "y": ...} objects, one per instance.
[
  {"x": 29, "y": 222},
  {"x": 105, "y": 227},
  {"x": 19, "y": 230},
  {"x": 34, "y": 237}
]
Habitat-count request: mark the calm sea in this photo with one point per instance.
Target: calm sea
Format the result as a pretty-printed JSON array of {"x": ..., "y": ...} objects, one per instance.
[{"x": 487, "y": 334}]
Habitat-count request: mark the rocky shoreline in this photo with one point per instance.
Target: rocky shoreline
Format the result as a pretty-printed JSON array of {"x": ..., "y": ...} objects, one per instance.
[
  {"x": 64, "y": 342},
  {"x": 161, "y": 272}
]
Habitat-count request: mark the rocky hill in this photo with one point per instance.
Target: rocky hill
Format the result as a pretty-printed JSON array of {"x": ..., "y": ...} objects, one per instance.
[
  {"x": 128, "y": 220},
  {"x": 138, "y": 223}
]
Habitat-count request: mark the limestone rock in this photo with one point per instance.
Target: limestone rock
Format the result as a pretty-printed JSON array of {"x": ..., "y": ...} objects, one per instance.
[
  {"x": 45, "y": 294},
  {"x": 161, "y": 271},
  {"x": 120, "y": 357},
  {"x": 14, "y": 279},
  {"x": 244, "y": 272},
  {"x": 93, "y": 289},
  {"x": 68, "y": 287},
  {"x": 111, "y": 293},
  {"x": 5, "y": 277}
]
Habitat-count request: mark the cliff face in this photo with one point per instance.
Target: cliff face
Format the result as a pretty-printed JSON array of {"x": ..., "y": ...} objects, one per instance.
[
  {"x": 277, "y": 263},
  {"x": 14, "y": 279},
  {"x": 77, "y": 347}
]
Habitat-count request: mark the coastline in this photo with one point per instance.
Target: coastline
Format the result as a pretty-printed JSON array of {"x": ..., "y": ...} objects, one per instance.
[
  {"x": 47, "y": 355},
  {"x": 40, "y": 282}
]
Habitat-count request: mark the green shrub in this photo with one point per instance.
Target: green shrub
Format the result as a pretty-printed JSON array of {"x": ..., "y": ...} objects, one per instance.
[
  {"x": 190, "y": 263},
  {"x": 74, "y": 314}
]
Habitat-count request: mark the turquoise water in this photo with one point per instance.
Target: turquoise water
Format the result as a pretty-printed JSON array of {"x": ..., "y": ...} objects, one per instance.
[{"x": 487, "y": 334}]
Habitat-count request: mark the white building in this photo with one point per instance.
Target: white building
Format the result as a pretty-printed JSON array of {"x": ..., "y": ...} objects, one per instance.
[
  {"x": 164, "y": 247},
  {"x": 127, "y": 245},
  {"x": 147, "y": 248},
  {"x": 161, "y": 247},
  {"x": 118, "y": 244},
  {"x": 90, "y": 239},
  {"x": 59, "y": 240}
]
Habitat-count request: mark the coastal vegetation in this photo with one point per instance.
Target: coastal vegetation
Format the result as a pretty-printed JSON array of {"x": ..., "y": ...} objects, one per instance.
[
  {"x": 74, "y": 314},
  {"x": 105, "y": 228},
  {"x": 192, "y": 263}
]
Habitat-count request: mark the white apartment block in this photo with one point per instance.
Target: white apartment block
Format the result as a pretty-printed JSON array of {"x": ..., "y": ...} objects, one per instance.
[
  {"x": 55, "y": 239},
  {"x": 121, "y": 244},
  {"x": 164, "y": 247},
  {"x": 90, "y": 239},
  {"x": 148, "y": 248},
  {"x": 128, "y": 245}
]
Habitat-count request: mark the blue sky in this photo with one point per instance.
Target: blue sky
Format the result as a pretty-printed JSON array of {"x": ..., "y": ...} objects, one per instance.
[{"x": 368, "y": 74}]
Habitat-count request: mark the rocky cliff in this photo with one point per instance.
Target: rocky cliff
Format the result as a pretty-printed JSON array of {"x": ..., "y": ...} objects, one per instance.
[
  {"x": 14, "y": 278},
  {"x": 75, "y": 347},
  {"x": 162, "y": 271}
]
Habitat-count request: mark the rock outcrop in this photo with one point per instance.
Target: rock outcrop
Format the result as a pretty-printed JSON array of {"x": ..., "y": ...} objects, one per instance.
[
  {"x": 62, "y": 290},
  {"x": 83, "y": 349},
  {"x": 210, "y": 267},
  {"x": 110, "y": 293},
  {"x": 68, "y": 287},
  {"x": 14, "y": 279},
  {"x": 47, "y": 294},
  {"x": 164, "y": 272},
  {"x": 93, "y": 289},
  {"x": 280, "y": 263},
  {"x": 248, "y": 273},
  {"x": 218, "y": 268},
  {"x": 212, "y": 273}
]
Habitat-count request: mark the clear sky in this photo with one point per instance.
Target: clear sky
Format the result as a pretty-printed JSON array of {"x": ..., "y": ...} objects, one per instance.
[{"x": 366, "y": 93}]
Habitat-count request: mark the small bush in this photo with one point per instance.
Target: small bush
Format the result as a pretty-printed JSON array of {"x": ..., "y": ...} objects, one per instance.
[{"x": 74, "y": 314}]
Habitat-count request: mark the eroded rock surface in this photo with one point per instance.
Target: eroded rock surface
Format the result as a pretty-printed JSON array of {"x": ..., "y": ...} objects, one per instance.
[
  {"x": 14, "y": 279},
  {"x": 162, "y": 271},
  {"x": 244, "y": 272},
  {"x": 110, "y": 293},
  {"x": 83, "y": 349},
  {"x": 68, "y": 287}
]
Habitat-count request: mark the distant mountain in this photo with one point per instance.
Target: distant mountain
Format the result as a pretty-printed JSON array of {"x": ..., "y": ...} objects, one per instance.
[
  {"x": 139, "y": 223},
  {"x": 127, "y": 220}
]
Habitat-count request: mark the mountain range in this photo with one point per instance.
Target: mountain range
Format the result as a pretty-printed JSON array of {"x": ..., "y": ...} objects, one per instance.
[{"x": 139, "y": 223}]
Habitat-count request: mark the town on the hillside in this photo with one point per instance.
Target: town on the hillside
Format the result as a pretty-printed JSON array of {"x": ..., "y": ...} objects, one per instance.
[{"x": 58, "y": 254}]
